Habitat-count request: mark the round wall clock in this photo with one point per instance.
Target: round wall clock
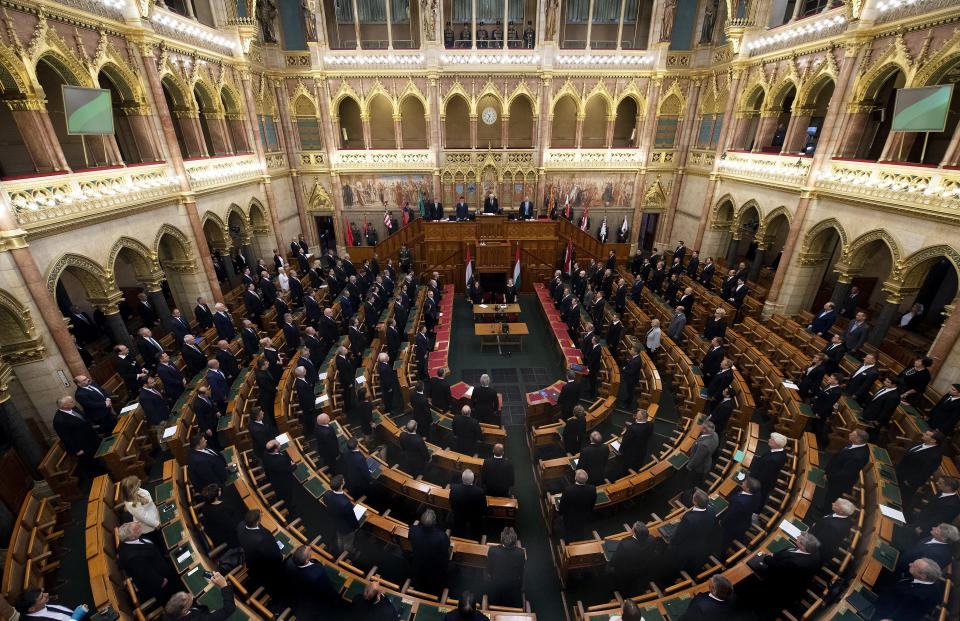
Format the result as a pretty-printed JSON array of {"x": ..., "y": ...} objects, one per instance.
[{"x": 489, "y": 115}]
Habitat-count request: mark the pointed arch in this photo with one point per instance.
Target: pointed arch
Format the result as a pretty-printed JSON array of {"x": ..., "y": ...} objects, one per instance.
[
  {"x": 410, "y": 89},
  {"x": 778, "y": 93},
  {"x": 914, "y": 267},
  {"x": 19, "y": 340},
  {"x": 235, "y": 210},
  {"x": 673, "y": 101},
  {"x": 599, "y": 90},
  {"x": 230, "y": 99},
  {"x": 488, "y": 90},
  {"x": 752, "y": 99},
  {"x": 769, "y": 220},
  {"x": 522, "y": 90},
  {"x": 14, "y": 77},
  {"x": 936, "y": 66},
  {"x": 258, "y": 216},
  {"x": 206, "y": 96},
  {"x": 180, "y": 247},
  {"x": 456, "y": 90},
  {"x": 856, "y": 257},
  {"x": 139, "y": 257},
  {"x": 632, "y": 91},
  {"x": 815, "y": 237},
  {"x": 567, "y": 90},
  {"x": 721, "y": 216},
  {"x": 740, "y": 217},
  {"x": 95, "y": 280},
  {"x": 344, "y": 92}
]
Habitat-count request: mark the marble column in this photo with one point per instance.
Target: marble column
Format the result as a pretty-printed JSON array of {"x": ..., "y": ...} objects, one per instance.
[
  {"x": 840, "y": 291},
  {"x": 155, "y": 295},
  {"x": 732, "y": 252},
  {"x": 945, "y": 340},
  {"x": 684, "y": 142},
  {"x": 578, "y": 135},
  {"x": 854, "y": 125},
  {"x": 757, "y": 264},
  {"x": 952, "y": 155},
  {"x": 15, "y": 430},
  {"x": 247, "y": 250},
  {"x": 32, "y": 122},
  {"x": 608, "y": 136},
  {"x": 227, "y": 261},
  {"x": 142, "y": 129},
  {"x": 797, "y": 131},
  {"x": 116, "y": 328},
  {"x": 473, "y": 131},
  {"x": 367, "y": 139},
  {"x": 765, "y": 130},
  {"x": 885, "y": 319},
  {"x": 286, "y": 125},
  {"x": 398, "y": 131},
  {"x": 505, "y": 131}
]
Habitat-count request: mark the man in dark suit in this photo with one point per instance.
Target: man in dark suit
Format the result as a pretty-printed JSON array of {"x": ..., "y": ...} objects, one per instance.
[
  {"x": 824, "y": 404},
  {"x": 574, "y": 434},
  {"x": 329, "y": 330},
  {"x": 206, "y": 416},
  {"x": 266, "y": 387},
  {"x": 593, "y": 363},
  {"x": 497, "y": 473},
  {"x": 440, "y": 397},
  {"x": 389, "y": 384},
  {"x": 735, "y": 520},
  {"x": 468, "y": 506},
  {"x": 809, "y": 383},
  {"x": 466, "y": 432},
  {"x": 833, "y": 353},
  {"x": 149, "y": 348},
  {"x": 848, "y": 307},
  {"x": 179, "y": 326},
  {"x": 313, "y": 344},
  {"x": 576, "y": 506},
  {"x": 861, "y": 381},
  {"x": 431, "y": 552},
  {"x": 634, "y": 561},
  {"x": 710, "y": 364},
  {"x": 726, "y": 289},
  {"x": 720, "y": 413},
  {"x": 706, "y": 274},
  {"x": 76, "y": 433},
  {"x": 879, "y": 408},
  {"x": 713, "y": 606},
  {"x": 436, "y": 210},
  {"x": 148, "y": 314},
  {"x": 593, "y": 458},
  {"x": 491, "y": 204},
  {"x": 485, "y": 402},
  {"x": 83, "y": 327},
  {"x": 463, "y": 211},
  {"x": 943, "y": 508},
  {"x": 856, "y": 333},
  {"x": 689, "y": 543},
  {"x": 526, "y": 209},
  {"x": 227, "y": 361},
  {"x": 420, "y": 407},
  {"x": 822, "y": 323},
  {"x": 250, "y": 338},
  {"x": 217, "y": 381},
  {"x": 96, "y": 404},
  {"x": 720, "y": 380},
  {"x": 279, "y": 468},
  {"x": 296, "y": 288},
  {"x": 173, "y": 381},
  {"x": 693, "y": 265},
  {"x": 253, "y": 304},
  {"x": 843, "y": 470},
  {"x": 766, "y": 467},
  {"x": 181, "y": 605},
  {"x": 739, "y": 293},
  {"x": 328, "y": 447},
  {"x": 262, "y": 556},
  {"x": 356, "y": 472},
  {"x": 504, "y": 571},
  {"x": 145, "y": 564},
  {"x": 915, "y": 596},
  {"x": 308, "y": 579},
  {"x": 569, "y": 395},
  {"x": 635, "y": 442},
  {"x": 421, "y": 349},
  {"x": 193, "y": 357},
  {"x": 939, "y": 547},
  {"x": 261, "y": 432},
  {"x": 291, "y": 333},
  {"x": 205, "y": 466},
  {"x": 783, "y": 576},
  {"x": 946, "y": 413},
  {"x": 414, "y": 454},
  {"x": 614, "y": 332},
  {"x": 620, "y": 297},
  {"x": 153, "y": 403},
  {"x": 832, "y": 529},
  {"x": 346, "y": 377}
]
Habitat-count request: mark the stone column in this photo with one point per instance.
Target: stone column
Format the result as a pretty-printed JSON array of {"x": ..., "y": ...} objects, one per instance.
[
  {"x": 15, "y": 430},
  {"x": 34, "y": 126},
  {"x": 339, "y": 231},
  {"x": 952, "y": 155},
  {"x": 757, "y": 264},
  {"x": 765, "y": 131},
  {"x": 945, "y": 341},
  {"x": 286, "y": 125},
  {"x": 840, "y": 291},
  {"x": 853, "y": 127},
  {"x": 365, "y": 124},
  {"x": 227, "y": 261},
  {"x": 578, "y": 136},
  {"x": 898, "y": 146},
  {"x": 219, "y": 135},
  {"x": 116, "y": 328},
  {"x": 434, "y": 122},
  {"x": 155, "y": 295},
  {"x": 732, "y": 252},
  {"x": 397, "y": 131},
  {"x": 883, "y": 321},
  {"x": 238, "y": 133},
  {"x": 473, "y": 131},
  {"x": 608, "y": 136},
  {"x": 15, "y": 240},
  {"x": 797, "y": 130},
  {"x": 149, "y": 63},
  {"x": 685, "y": 140},
  {"x": 247, "y": 250},
  {"x": 144, "y": 136},
  {"x": 504, "y": 131}
]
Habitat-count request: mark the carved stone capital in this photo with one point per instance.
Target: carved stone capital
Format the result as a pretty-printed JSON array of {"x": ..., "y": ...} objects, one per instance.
[{"x": 11, "y": 240}]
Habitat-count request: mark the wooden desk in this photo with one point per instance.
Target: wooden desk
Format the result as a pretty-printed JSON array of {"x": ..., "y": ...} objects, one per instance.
[
  {"x": 491, "y": 334},
  {"x": 494, "y": 309}
]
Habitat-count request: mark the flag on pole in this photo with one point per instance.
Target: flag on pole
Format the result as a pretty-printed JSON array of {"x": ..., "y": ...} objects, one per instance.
[
  {"x": 406, "y": 214},
  {"x": 469, "y": 274},
  {"x": 386, "y": 219},
  {"x": 568, "y": 257},
  {"x": 566, "y": 209},
  {"x": 583, "y": 221},
  {"x": 364, "y": 225},
  {"x": 553, "y": 203},
  {"x": 603, "y": 228},
  {"x": 623, "y": 227},
  {"x": 420, "y": 201},
  {"x": 349, "y": 232},
  {"x": 516, "y": 269}
]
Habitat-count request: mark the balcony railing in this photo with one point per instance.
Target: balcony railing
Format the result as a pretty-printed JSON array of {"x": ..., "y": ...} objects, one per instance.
[
  {"x": 702, "y": 159},
  {"x": 45, "y": 201},
  {"x": 406, "y": 159},
  {"x": 783, "y": 170},
  {"x": 594, "y": 158},
  {"x": 208, "y": 173}
]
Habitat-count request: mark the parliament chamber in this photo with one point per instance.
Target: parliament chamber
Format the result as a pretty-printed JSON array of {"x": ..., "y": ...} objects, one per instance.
[{"x": 480, "y": 309}]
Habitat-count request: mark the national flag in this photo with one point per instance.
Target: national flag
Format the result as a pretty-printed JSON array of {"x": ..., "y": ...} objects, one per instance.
[
  {"x": 364, "y": 225},
  {"x": 386, "y": 218},
  {"x": 516, "y": 269},
  {"x": 603, "y": 228},
  {"x": 568, "y": 257},
  {"x": 420, "y": 200},
  {"x": 469, "y": 274},
  {"x": 623, "y": 227},
  {"x": 583, "y": 221},
  {"x": 553, "y": 203},
  {"x": 566, "y": 209},
  {"x": 406, "y": 214},
  {"x": 349, "y": 233}
]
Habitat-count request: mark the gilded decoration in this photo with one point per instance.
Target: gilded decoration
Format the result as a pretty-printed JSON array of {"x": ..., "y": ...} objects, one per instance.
[
  {"x": 859, "y": 251},
  {"x": 721, "y": 217},
  {"x": 319, "y": 199},
  {"x": 655, "y": 196},
  {"x": 96, "y": 281},
  {"x": 139, "y": 257},
  {"x": 180, "y": 256}
]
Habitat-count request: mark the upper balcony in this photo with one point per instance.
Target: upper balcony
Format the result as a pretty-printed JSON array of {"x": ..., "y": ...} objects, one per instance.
[{"x": 787, "y": 171}]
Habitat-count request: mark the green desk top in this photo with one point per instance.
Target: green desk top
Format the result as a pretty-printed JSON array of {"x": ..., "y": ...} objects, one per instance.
[
  {"x": 194, "y": 581},
  {"x": 886, "y": 554},
  {"x": 163, "y": 492},
  {"x": 225, "y": 422},
  {"x": 173, "y": 534},
  {"x": 403, "y": 606},
  {"x": 677, "y": 606},
  {"x": 353, "y": 589},
  {"x": 651, "y": 613},
  {"x": 602, "y": 497},
  {"x": 213, "y": 599},
  {"x": 667, "y": 530},
  {"x": 815, "y": 475},
  {"x": 315, "y": 486},
  {"x": 429, "y": 612},
  {"x": 106, "y": 446},
  {"x": 880, "y": 454},
  {"x": 677, "y": 460},
  {"x": 890, "y": 492},
  {"x": 717, "y": 504},
  {"x": 336, "y": 577},
  {"x": 282, "y": 537},
  {"x": 779, "y": 544},
  {"x": 167, "y": 512},
  {"x": 179, "y": 553},
  {"x": 302, "y": 473},
  {"x": 845, "y": 614}
]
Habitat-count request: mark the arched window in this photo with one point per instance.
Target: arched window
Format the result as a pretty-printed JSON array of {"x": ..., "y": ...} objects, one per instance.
[
  {"x": 594, "y": 135},
  {"x": 51, "y": 80},
  {"x": 382, "y": 131},
  {"x": 564, "y": 126},
  {"x": 489, "y": 135},
  {"x": 520, "y": 132},
  {"x": 122, "y": 132},
  {"x": 625, "y": 127},
  {"x": 413, "y": 124},
  {"x": 351, "y": 127},
  {"x": 874, "y": 136},
  {"x": 175, "y": 112},
  {"x": 457, "y": 123}
]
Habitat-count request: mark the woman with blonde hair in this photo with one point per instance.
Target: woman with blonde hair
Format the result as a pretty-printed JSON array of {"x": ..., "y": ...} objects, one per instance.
[
  {"x": 138, "y": 503},
  {"x": 716, "y": 325},
  {"x": 653, "y": 336}
]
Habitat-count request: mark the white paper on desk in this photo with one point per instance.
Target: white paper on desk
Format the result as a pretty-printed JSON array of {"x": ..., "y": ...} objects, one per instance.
[
  {"x": 283, "y": 439},
  {"x": 169, "y": 432},
  {"x": 361, "y": 379},
  {"x": 130, "y": 407},
  {"x": 359, "y": 510},
  {"x": 183, "y": 557},
  {"x": 322, "y": 287},
  {"x": 280, "y": 544},
  {"x": 576, "y": 461},
  {"x": 320, "y": 399},
  {"x": 893, "y": 514},
  {"x": 469, "y": 392},
  {"x": 322, "y": 376},
  {"x": 790, "y": 385},
  {"x": 483, "y": 306},
  {"x": 790, "y": 529},
  {"x": 616, "y": 445}
]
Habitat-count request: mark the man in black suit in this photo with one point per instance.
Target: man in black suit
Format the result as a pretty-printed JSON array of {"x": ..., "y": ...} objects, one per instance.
[
  {"x": 491, "y": 204},
  {"x": 328, "y": 447},
  {"x": 356, "y": 472},
  {"x": 178, "y": 325},
  {"x": 706, "y": 274},
  {"x": 329, "y": 331},
  {"x": 466, "y": 432},
  {"x": 526, "y": 209},
  {"x": 943, "y": 508},
  {"x": 861, "y": 381},
  {"x": 809, "y": 383},
  {"x": 689, "y": 543},
  {"x": 879, "y": 408},
  {"x": 181, "y": 605},
  {"x": 569, "y": 395},
  {"x": 497, "y": 473},
  {"x": 77, "y": 434},
  {"x": 431, "y": 552},
  {"x": 783, "y": 576},
  {"x": 832, "y": 529},
  {"x": 856, "y": 334},
  {"x": 266, "y": 387},
  {"x": 824, "y": 404},
  {"x": 346, "y": 377},
  {"x": 468, "y": 506},
  {"x": 592, "y": 361},
  {"x": 713, "y": 606},
  {"x": 421, "y": 350},
  {"x": 823, "y": 321},
  {"x": 149, "y": 348},
  {"x": 735, "y": 520},
  {"x": 593, "y": 458},
  {"x": 296, "y": 288},
  {"x": 574, "y": 434},
  {"x": 389, "y": 384},
  {"x": 146, "y": 311},
  {"x": 726, "y": 289},
  {"x": 766, "y": 467},
  {"x": 946, "y": 413},
  {"x": 279, "y": 468},
  {"x": 217, "y": 381},
  {"x": 262, "y": 556},
  {"x": 576, "y": 506},
  {"x": 505, "y": 571},
  {"x": 720, "y": 380},
  {"x": 720, "y": 413},
  {"x": 485, "y": 402},
  {"x": 918, "y": 464},
  {"x": 206, "y": 414},
  {"x": 915, "y": 596},
  {"x": 154, "y": 405},
  {"x": 738, "y": 293},
  {"x": 833, "y": 353},
  {"x": 261, "y": 432},
  {"x": 843, "y": 470},
  {"x": 848, "y": 307},
  {"x": 313, "y": 344},
  {"x": 634, "y": 562},
  {"x": 96, "y": 404},
  {"x": 693, "y": 265},
  {"x": 205, "y": 466},
  {"x": 308, "y": 579},
  {"x": 250, "y": 338},
  {"x": 635, "y": 442},
  {"x": 414, "y": 454},
  {"x": 710, "y": 364},
  {"x": 614, "y": 332},
  {"x": 193, "y": 357},
  {"x": 145, "y": 564},
  {"x": 291, "y": 333},
  {"x": 227, "y": 361},
  {"x": 939, "y": 547},
  {"x": 173, "y": 381},
  {"x": 83, "y": 327},
  {"x": 440, "y": 397}
]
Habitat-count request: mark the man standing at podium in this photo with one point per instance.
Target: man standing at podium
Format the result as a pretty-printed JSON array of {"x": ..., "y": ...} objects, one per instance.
[
  {"x": 463, "y": 211},
  {"x": 491, "y": 204},
  {"x": 526, "y": 209}
]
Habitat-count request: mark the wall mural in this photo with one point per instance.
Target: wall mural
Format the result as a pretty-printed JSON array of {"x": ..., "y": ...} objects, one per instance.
[
  {"x": 612, "y": 190},
  {"x": 384, "y": 191}
]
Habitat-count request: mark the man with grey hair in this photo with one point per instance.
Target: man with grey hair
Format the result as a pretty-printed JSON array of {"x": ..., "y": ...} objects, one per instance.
[
  {"x": 783, "y": 577},
  {"x": 700, "y": 457},
  {"x": 913, "y": 598},
  {"x": 250, "y": 338},
  {"x": 77, "y": 434},
  {"x": 468, "y": 504},
  {"x": 677, "y": 323},
  {"x": 576, "y": 506},
  {"x": 144, "y": 563},
  {"x": 413, "y": 450},
  {"x": 389, "y": 383},
  {"x": 832, "y": 529},
  {"x": 466, "y": 432},
  {"x": 593, "y": 458},
  {"x": 938, "y": 547},
  {"x": 843, "y": 470},
  {"x": 181, "y": 604},
  {"x": 485, "y": 401},
  {"x": 431, "y": 552},
  {"x": 766, "y": 467}
]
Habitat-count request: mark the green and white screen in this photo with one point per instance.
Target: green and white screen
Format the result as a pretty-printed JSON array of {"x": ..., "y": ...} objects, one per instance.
[
  {"x": 922, "y": 109},
  {"x": 88, "y": 110}
]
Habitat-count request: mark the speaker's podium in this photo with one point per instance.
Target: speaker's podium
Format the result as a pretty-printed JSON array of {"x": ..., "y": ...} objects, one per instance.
[{"x": 494, "y": 258}]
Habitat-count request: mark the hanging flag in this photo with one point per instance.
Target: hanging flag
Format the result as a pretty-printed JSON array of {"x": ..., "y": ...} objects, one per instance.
[
  {"x": 349, "y": 233},
  {"x": 386, "y": 218},
  {"x": 603, "y": 228},
  {"x": 406, "y": 214},
  {"x": 566, "y": 209},
  {"x": 420, "y": 201},
  {"x": 553, "y": 203},
  {"x": 469, "y": 274},
  {"x": 516, "y": 269},
  {"x": 584, "y": 220},
  {"x": 568, "y": 257},
  {"x": 623, "y": 227},
  {"x": 364, "y": 225}
]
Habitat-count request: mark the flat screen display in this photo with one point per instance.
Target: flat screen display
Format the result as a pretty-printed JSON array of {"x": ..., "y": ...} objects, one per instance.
[
  {"x": 88, "y": 110},
  {"x": 922, "y": 109}
]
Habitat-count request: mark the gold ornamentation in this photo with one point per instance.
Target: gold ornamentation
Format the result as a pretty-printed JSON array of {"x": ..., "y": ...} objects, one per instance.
[{"x": 319, "y": 199}]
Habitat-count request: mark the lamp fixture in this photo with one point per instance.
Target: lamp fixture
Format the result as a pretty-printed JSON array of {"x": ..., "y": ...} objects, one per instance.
[
  {"x": 603, "y": 59},
  {"x": 789, "y": 34}
]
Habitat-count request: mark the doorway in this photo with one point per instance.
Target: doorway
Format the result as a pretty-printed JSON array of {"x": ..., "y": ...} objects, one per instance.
[{"x": 325, "y": 233}]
